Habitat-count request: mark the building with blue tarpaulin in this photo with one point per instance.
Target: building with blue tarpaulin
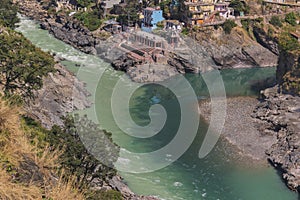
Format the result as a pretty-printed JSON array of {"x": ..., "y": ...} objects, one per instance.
[{"x": 151, "y": 16}]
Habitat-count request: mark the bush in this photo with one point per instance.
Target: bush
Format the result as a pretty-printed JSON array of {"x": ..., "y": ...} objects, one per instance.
[
  {"x": 91, "y": 19},
  {"x": 239, "y": 6},
  {"x": 22, "y": 65},
  {"x": 291, "y": 19},
  {"x": 288, "y": 43},
  {"x": 228, "y": 26},
  {"x": 246, "y": 24},
  {"x": 8, "y": 14},
  {"x": 275, "y": 21},
  {"x": 105, "y": 195},
  {"x": 185, "y": 31}
]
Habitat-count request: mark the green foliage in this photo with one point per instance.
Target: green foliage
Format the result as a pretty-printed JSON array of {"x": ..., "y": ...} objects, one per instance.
[
  {"x": 185, "y": 31},
  {"x": 105, "y": 195},
  {"x": 165, "y": 6},
  {"x": 8, "y": 14},
  {"x": 275, "y": 21},
  {"x": 228, "y": 26},
  {"x": 246, "y": 24},
  {"x": 288, "y": 43},
  {"x": 77, "y": 158},
  {"x": 239, "y": 6},
  {"x": 91, "y": 19},
  {"x": 160, "y": 25},
  {"x": 291, "y": 18},
  {"x": 270, "y": 32},
  {"x": 22, "y": 65},
  {"x": 129, "y": 14},
  {"x": 84, "y": 3}
]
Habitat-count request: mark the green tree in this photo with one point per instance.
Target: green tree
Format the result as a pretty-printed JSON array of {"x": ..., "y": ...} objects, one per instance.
[
  {"x": 291, "y": 18},
  {"x": 129, "y": 14},
  {"x": 22, "y": 65},
  {"x": 91, "y": 19},
  {"x": 239, "y": 6},
  {"x": 8, "y": 14},
  {"x": 165, "y": 6},
  {"x": 84, "y": 3},
  {"x": 275, "y": 21},
  {"x": 287, "y": 42},
  {"x": 228, "y": 26},
  {"x": 77, "y": 158}
]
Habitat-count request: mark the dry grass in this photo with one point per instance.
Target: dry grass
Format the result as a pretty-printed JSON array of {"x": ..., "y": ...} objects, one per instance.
[
  {"x": 13, "y": 191},
  {"x": 65, "y": 190},
  {"x": 15, "y": 145}
]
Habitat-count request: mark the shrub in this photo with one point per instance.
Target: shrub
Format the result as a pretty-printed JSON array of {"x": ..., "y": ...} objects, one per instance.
[
  {"x": 22, "y": 65},
  {"x": 275, "y": 21},
  {"x": 8, "y": 14},
  {"x": 239, "y": 6},
  {"x": 291, "y": 19},
  {"x": 288, "y": 43},
  {"x": 246, "y": 24},
  {"x": 105, "y": 195},
  {"x": 91, "y": 19},
  {"x": 185, "y": 31},
  {"x": 228, "y": 26}
]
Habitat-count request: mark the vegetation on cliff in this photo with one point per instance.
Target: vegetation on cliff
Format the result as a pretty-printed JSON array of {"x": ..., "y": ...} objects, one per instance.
[
  {"x": 39, "y": 164},
  {"x": 8, "y": 14},
  {"x": 22, "y": 65},
  {"x": 24, "y": 167}
]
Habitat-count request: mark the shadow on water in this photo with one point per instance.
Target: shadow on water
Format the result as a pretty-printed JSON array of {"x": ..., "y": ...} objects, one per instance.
[{"x": 258, "y": 85}]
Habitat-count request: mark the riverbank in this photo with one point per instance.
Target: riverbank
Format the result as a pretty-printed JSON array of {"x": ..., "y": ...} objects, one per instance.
[
  {"x": 265, "y": 131},
  {"x": 240, "y": 128}
]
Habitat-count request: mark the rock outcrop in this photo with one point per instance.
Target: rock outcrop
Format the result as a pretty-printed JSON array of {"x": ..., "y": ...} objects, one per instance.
[
  {"x": 61, "y": 94},
  {"x": 265, "y": 40},
  {"x": 235, "y": 50},
  {"x": 71, "y": 32},
  {"x": 288, "y": 72},
  {"x": 63, "y": 27},
  {"x": 279, "y": 115}
]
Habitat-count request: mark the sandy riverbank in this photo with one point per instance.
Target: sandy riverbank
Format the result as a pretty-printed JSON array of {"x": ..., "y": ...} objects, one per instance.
[{"x": 240, "y": 129}]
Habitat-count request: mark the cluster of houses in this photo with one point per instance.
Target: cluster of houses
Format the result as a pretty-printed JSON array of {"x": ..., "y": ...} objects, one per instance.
[
  {"x": 197, "y": 12},
  {"x": 191, "y": 12}
]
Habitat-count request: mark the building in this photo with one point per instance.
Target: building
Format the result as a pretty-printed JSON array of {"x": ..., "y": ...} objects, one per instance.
[
  {"x": 148, "y": 39},
  {"x": 195, "y": 12},
  {"x": 151, "y": 16},
  {"x": 224, "y": 10}
]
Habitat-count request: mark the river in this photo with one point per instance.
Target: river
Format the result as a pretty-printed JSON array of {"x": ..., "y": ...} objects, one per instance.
[{"x": 189, "y": 178}]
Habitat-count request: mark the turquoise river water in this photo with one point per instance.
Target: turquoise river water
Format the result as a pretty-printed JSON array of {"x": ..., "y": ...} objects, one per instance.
[{"x": 215, "y": 177}]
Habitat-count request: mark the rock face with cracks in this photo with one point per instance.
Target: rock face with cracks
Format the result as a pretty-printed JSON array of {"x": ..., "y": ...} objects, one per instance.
[{"x": 279, "y": 115}]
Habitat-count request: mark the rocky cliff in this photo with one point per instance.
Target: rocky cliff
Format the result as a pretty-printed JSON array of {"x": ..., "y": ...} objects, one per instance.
[
  {"x": 279, "y": 115},
  {"x": 234, "y": 50},
  {"x": 61, "y": 94},
  {"x": 288, "y": 71}
]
